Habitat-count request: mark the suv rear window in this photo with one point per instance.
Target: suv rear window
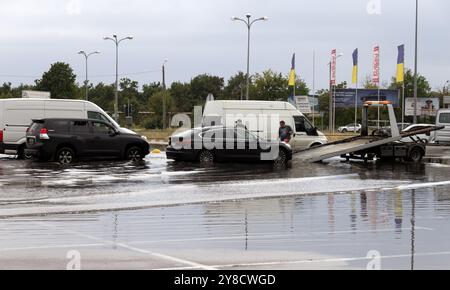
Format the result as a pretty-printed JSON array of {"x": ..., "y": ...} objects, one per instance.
[
  {"x": 58, "y": 125},
  {"x": 444, "y": 118},
  {"x": 36, "y": 126}
]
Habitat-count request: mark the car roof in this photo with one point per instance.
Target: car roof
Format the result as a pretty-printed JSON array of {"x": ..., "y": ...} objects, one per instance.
[{"x": 66, "y": 119}]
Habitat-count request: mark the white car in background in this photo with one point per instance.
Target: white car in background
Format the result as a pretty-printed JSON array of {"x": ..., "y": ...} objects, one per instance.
[
  {"x": 427, "y": 138},
  {"x": 350, "y": 128}
]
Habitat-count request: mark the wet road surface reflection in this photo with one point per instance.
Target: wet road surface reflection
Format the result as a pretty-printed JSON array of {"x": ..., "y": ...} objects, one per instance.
[{"x": 165, "y": 215}]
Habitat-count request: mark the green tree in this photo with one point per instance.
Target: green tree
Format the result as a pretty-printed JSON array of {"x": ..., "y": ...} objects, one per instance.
[
  {"x": 423, "y": 86},
  {"x": 236, "y": 87},
  {"x": 155, "y": 104},
  {"x": 59, "y": 80},
  {"x": 181, "y": 96},
  {"x": 205, "y": 84},
  {"x": 103, "y": 96}
]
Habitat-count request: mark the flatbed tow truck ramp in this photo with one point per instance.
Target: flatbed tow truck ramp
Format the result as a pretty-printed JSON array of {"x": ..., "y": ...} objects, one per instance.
[{"x": 367, "y": 147}]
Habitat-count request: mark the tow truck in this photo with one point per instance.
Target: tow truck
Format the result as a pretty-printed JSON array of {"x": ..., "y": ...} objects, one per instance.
[{"x": 368, "y": 147}]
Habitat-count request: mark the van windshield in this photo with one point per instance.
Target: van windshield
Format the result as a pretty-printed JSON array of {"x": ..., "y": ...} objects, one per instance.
[{"x": 444, "y": 118}]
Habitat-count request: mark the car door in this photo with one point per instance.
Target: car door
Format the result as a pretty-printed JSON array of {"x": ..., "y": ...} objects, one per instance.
[
  {"x": 304, "y": 134},
  {"x": 247, "y": 145},
  {"x": 106, "y": 140},
  {"x": 81, "y": 137}
]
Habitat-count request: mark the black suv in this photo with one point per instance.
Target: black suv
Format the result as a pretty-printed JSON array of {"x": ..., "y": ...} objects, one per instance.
[{"x": 64, "y": 140}]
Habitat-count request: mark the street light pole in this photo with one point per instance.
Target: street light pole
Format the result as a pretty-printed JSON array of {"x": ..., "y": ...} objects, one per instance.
[
  {"x": 164, "y": 93},
  {"x": 249, "y": 24},
  {"x": 117, "y": 41},
  {"x": 415, "y": 63},
  {"x": 86, "y": 82}
]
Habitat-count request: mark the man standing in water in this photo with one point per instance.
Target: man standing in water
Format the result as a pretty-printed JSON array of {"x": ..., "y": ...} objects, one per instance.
[{"x": 285, "y": 132}]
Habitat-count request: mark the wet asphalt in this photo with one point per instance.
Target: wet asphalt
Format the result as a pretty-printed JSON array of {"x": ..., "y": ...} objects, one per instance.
[{"x": 159, "y": 214}]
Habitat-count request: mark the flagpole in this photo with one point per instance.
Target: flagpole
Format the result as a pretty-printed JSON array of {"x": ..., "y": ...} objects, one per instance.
[
  {"x": 314, "y": 91},
  {"x": 403, "y": 103},
  {"x": 379, "y": 80},
  {"x": 356, "y": 101}
]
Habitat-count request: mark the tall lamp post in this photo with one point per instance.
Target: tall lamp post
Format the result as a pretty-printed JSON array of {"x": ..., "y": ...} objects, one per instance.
[
  {"x": 86, "y": 82},
  {"x": 332, "y": 103},
  {"x": 415, "y": 63},
  {"x": 164, "y": 94},
  {"x": 249, "y": 24},
  {"x": 117, "y": 41}
]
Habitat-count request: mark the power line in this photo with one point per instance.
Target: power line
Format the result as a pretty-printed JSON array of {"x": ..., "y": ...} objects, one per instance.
[{"x": 92, "y": 76}]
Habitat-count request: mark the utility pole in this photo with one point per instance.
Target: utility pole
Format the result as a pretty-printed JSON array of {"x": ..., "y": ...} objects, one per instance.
[
  {"x": 415, "y": 63},
  {"x": 164, "y": 94}
]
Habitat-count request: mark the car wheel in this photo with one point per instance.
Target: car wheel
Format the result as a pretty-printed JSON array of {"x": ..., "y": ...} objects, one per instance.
[
  {"x": 281, "y": 160},
  {"x": 21, "y": 154},
  {"x": 415, "y": 155},
  {"x": 344, "y": 131},
  {"x": 206, "y": 157},
  {"x": 134, "y": 154},
  {"x": 65, "y": 156}
]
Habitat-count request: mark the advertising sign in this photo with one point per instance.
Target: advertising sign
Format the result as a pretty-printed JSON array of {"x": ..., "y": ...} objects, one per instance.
[
  {"x": 333, "y": 67},
  {"x": 425, "y": 106},
  {"x": 303, "y": 104},
  {"x": 345, "y": 98},
  {"x": 376, "y": 65}
]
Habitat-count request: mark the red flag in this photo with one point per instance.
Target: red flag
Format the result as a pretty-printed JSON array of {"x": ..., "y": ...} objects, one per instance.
[
  {"x": 376, "y": 65},
  {"x": 333, "y": 67}
]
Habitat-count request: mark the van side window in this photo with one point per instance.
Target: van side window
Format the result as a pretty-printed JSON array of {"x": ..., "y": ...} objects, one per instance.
[
  {"x": 303, "y": 125},
  {"x": 97, "y": 116},
  {"x": 80, "y": 127},
  {"x": 444, "y": 118}
]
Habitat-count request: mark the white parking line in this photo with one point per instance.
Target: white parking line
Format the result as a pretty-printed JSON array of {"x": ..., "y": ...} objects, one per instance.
[
  {"x": 131, "y": 248},
  {"x": 53, "y": 247},
  {"x": 310, "y": 261}
]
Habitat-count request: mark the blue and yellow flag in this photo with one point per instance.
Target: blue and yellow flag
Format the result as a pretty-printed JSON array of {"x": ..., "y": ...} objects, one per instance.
[
  {"x": 292, "y": 74},
  {"x": 401, "y": 64},
  {"x": 355, "y": 67}
]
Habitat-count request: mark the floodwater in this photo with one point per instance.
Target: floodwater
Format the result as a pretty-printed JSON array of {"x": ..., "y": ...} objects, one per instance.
[{"x": 164, "y": 215}]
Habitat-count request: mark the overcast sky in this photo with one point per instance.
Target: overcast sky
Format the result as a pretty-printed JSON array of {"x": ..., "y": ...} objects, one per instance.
[{"x": 197, "y": 36}]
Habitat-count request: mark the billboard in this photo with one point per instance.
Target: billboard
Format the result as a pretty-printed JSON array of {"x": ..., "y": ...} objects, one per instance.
[
  {"x": 303, "y": 104},
  {"x": 446, "y": 101},
  {"x": 345, "y": 98},
  {"x": 425, "y": 106}
]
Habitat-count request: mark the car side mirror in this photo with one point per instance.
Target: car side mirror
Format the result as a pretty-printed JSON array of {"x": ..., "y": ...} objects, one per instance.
[{"x": 113, "y": 133}]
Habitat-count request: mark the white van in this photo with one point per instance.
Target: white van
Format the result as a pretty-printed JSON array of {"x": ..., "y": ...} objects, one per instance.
[
  {"x": 263, "y": 118},
  {"x": 16, "y": 115},
  {"x": 443, "y": 119}
]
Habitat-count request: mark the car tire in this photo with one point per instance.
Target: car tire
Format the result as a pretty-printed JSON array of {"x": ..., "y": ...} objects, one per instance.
[
  {"x": 134, "y": 154},
  {"x": 21, "y": 154},
  {"x": 344, "y": 131},
  {"x": 281, "y": 160},
  {"x": 415, "y": 155},
  {"x": 206, "y": 157},
  {"x": 65, "y": 156}
]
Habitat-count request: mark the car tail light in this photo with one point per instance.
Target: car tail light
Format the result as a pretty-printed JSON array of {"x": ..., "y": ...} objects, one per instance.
[
  {"x": 43, "y": 134},
  {"x": 1, "y": 135}
]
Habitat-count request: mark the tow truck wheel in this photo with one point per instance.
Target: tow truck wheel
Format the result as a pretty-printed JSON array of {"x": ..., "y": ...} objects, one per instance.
[
  {"x": 206, "y": 157},
  {"x": 415, "y": 155}
]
